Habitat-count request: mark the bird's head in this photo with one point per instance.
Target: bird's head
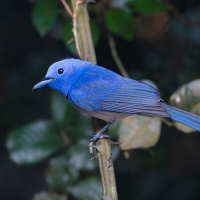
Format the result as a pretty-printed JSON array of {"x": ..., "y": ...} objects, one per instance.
[{"x": 62, "y": 75}]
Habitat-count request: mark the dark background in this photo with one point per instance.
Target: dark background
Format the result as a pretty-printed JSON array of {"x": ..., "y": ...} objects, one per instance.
[{"x": 171, "y": 170}]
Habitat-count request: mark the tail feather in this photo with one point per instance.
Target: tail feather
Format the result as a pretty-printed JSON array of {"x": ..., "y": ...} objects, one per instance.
[{"x": 183, "y": 117}]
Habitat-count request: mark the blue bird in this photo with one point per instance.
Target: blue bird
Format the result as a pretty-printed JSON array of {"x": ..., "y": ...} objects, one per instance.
[{"x": 103, "y": 94}]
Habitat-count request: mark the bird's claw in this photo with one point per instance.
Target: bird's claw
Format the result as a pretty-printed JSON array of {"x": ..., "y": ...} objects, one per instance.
[{"x": 94, "y": 138}]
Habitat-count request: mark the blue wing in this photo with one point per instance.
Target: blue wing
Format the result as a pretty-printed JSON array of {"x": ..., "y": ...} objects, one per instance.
[
  {"x": 94, "y": 84},
  {"x": 101, "y": 90},
  {"x": 106, "y": 95},
  {"x": 135, "y": 97}
]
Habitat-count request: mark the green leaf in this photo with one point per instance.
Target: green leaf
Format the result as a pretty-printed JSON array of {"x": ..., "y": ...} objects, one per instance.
[
  {"x": 139, "y": 132},
  {"x": 149, "y": 82},
  {"x": 119, "y": 3},
  {"x": 95, "y": 32},
  {"x": 121, "y": 23},
  {"x": 65, "y": 115},
  {"x": 44, "y": 15},
  {"x": 34, "y": 142},
  {"x": 77, "y": 125},
  {"x": 81, "y": 127},
  {"x": 43, "y": 195},
  {"x": 147, "y": 6},
  {"x": 187, "y": 98},
  {"x": 79, "y": 158},
  {"x": 68, "y": 35},
  {"x": 62, "y": 111},
  {"x": 85, "y": 188},
  {"x": 59, "y": 175}
]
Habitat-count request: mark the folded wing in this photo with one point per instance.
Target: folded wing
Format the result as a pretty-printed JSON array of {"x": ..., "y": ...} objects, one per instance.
[{"x": 135, "y": 97}]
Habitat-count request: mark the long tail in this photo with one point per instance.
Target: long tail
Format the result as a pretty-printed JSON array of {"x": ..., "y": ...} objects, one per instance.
[{"x": 183, "y": 117}]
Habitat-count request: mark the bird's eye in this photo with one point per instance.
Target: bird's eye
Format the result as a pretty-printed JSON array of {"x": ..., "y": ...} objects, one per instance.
[{"x": 60, "y": 71}]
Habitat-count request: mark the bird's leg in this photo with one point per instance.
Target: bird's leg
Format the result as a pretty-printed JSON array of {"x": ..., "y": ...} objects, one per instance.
[{"x": 100, "y": 133}]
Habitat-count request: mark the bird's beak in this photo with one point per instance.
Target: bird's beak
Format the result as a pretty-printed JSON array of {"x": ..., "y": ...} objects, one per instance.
[{"x": 43, "y": 83}]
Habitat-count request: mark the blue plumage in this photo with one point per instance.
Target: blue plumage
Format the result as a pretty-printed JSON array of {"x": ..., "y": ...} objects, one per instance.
[
  {"x": 184, "y": 117},
  {"x": 106, "y": 95}
]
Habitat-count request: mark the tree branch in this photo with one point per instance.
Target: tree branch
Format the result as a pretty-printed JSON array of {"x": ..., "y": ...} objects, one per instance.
[
  {"x": 84, "y": 45},
  {"x": 67, "y": 8},
  {"x": 116, "y": 57},
  {"x": 181, "y": 17}
]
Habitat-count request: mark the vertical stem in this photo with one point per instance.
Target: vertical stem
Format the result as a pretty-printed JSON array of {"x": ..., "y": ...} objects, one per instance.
[
  {"x": 84, "y": 45},
  {"x": 106, "y": 167},
  {"x": 82, "y": 33}
]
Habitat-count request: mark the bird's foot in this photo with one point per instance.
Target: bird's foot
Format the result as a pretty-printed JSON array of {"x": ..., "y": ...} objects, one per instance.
[
  {"x": 94, "y": 138},
  {"x": 100, "y": 135}
]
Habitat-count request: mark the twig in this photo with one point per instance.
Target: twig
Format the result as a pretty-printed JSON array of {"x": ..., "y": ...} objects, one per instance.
[
  {"x": 67, "y": 8},
  {"x": 181, "y": 17},
  {"x": 65, "y": 137},
  {"x": 105, "y": 164},
  {"x": 116, "y": 57},
  {"x": 154, "y": 39},
  {"x": 71, "y": 40},
  {"x": 75, "y": 27}
]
